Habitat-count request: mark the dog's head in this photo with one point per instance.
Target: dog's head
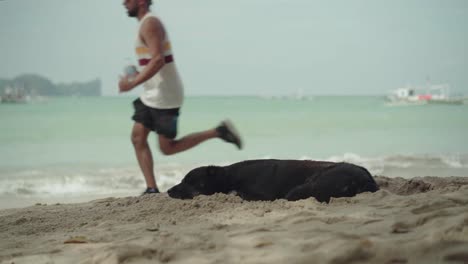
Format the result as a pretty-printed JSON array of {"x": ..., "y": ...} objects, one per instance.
[{"x": 203, "y": 180}]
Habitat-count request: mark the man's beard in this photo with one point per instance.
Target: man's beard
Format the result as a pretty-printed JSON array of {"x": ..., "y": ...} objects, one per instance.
[{"x": 133, "y": 12}]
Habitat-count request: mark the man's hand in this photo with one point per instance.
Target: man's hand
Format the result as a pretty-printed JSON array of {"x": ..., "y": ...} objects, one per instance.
[{"x": 125, "y": 84}]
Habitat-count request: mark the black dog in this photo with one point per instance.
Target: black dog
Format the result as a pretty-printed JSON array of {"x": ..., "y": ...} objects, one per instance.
[{"x": 277, "y": 179}]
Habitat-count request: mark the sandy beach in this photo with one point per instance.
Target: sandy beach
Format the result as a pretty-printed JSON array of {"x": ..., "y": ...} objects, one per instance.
[{"x": 419, "y": 220}]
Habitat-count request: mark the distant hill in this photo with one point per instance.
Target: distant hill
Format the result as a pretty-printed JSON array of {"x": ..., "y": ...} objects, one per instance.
[{"x": 34, "y": 84}]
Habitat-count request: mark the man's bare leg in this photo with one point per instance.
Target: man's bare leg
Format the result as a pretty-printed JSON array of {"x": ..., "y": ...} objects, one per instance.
[
  {"x": 225, "y": 131},
  {"x": 143, "y": 153},
  {"x": 171, "y": 146}
]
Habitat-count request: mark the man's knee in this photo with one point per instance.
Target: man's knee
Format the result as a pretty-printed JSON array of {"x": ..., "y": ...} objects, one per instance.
[
  {"x": 138, "y": 139},
  {"x": 167, "y": 147}
]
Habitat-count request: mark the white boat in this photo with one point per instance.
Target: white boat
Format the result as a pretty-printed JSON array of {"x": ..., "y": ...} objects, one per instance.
[
  {"x": 432, "y": 94},
  {"x": 14, "y": 95}
]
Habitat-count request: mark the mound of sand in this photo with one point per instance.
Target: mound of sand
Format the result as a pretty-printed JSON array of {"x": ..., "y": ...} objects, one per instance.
[{"x": 421, "y": 220}]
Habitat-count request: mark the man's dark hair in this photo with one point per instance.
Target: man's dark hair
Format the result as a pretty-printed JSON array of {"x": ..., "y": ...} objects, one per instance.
[{"x": 149, "y": 2}]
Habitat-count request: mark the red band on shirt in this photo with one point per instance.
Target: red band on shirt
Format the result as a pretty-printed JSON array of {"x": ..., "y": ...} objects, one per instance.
[{"x": 167, "y": 59}]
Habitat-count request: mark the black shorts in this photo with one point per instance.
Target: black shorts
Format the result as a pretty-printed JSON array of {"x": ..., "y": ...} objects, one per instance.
[{"x": 162, "y": 121}]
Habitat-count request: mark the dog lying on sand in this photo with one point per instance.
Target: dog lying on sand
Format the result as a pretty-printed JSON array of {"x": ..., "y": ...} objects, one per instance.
[{"x": 270, "y": 179}]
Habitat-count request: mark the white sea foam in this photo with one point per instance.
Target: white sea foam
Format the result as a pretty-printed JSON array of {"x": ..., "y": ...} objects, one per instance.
[
  {"x": 454, "y": 161},
  {"x": 58, "y": 181}
]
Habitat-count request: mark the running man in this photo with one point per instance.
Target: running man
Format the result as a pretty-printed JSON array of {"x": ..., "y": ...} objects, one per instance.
[{"x": 157, "y": 108}]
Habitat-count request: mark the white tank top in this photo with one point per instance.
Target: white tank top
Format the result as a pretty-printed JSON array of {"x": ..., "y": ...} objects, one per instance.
[{"x": 165, "y": 89}]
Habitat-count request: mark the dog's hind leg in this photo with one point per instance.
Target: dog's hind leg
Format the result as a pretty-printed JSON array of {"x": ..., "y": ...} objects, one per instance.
[{"x": 305, "y": 191}]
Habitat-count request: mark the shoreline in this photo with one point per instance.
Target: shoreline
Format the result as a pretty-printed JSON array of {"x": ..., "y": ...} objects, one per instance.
[{"x": 418, "y": 220}]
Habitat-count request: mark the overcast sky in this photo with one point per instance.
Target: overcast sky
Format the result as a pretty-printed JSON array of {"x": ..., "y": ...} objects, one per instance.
[{"x": 258, "y": 47}]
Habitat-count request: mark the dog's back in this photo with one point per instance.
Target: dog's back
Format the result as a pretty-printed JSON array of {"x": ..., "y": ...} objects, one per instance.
[{"x": 270, "y": 179}]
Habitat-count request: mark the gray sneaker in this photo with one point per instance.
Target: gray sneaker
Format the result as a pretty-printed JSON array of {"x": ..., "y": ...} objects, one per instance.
[{"x": 228, "y": 133}]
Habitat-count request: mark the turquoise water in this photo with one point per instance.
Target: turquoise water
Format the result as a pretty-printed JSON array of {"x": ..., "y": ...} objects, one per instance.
[{"x": 74, "y": 145}]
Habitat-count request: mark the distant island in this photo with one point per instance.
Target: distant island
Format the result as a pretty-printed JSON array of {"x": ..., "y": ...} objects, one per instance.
[{"x": 36, "y": 85}]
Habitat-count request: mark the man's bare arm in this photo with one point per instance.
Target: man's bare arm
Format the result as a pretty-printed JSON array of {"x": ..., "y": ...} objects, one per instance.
[{"x": 152, "y": 34}]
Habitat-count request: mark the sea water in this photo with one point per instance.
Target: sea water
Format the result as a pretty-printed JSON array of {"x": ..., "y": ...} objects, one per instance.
[{"x": 77, "y": 148}]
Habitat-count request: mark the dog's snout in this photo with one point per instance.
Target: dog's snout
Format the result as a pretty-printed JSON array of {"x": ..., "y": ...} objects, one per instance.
[
  {"x": 180, "y": 191},
  {"x": 172, "y": 190}
]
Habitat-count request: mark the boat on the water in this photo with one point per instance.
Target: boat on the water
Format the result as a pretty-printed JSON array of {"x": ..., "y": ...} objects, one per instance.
[
  {"x": 14, "y": 95},
  {"x": 432, "y": 94}
]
